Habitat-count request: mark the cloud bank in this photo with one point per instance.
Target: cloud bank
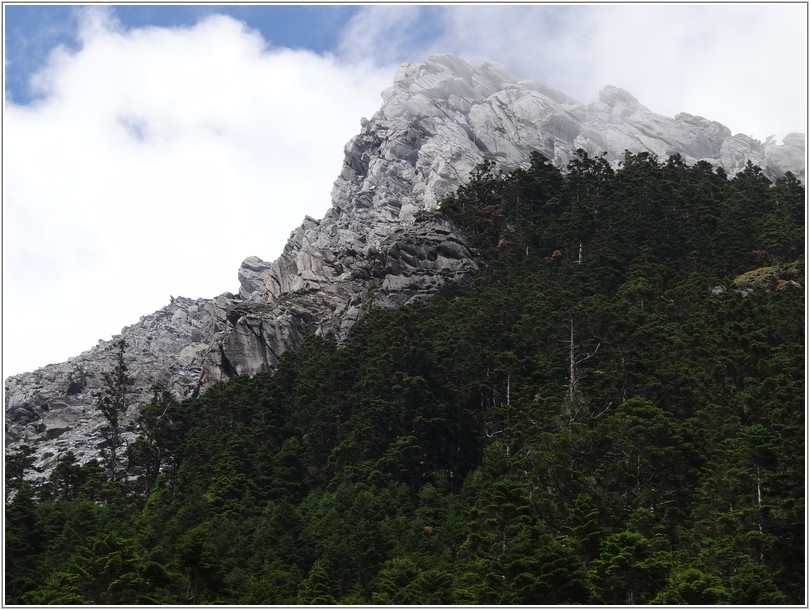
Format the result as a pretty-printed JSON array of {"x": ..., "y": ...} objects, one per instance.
[
  {"x": 744, "y": 65},
  {"x": 154, "y": 161}
]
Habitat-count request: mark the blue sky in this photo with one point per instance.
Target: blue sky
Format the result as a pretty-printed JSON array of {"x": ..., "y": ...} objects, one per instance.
[
  {"x": 32, "y": 31},
  {"x": 149, "y": 149},
  {"x": 576, "y": 47}
]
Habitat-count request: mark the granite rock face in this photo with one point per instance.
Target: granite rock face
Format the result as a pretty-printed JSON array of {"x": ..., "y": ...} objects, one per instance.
[
  {"x": 190, "y": 345},
  {"x": 380, "y": 245},
  {"x": 52, "y": 408},
  {"x": 440, "y": 119}
]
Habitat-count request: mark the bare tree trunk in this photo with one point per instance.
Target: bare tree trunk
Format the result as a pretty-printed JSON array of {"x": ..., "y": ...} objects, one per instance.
[
  {"x": 572, "y": 369},
  {"x": 508, "y": 387},
  {"x": 573, "y": 406}
]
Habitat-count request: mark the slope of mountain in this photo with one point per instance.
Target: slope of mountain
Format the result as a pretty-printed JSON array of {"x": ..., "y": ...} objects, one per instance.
[
  {"x": 378, "y": 245},
  {"x": 610, "y": 411}
]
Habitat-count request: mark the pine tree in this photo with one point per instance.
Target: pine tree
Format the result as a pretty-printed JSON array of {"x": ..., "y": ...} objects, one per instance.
[{"x": 111, "y": 401}]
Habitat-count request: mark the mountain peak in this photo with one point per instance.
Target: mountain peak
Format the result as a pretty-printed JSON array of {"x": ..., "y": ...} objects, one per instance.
[
  {"x": 612, "y": 96},
  {"x": 379, "y": 244},
  {"x": 443, "y": 77}
]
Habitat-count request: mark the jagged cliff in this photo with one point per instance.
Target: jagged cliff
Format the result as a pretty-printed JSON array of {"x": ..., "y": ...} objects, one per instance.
[{"x": 378, "y": 245}]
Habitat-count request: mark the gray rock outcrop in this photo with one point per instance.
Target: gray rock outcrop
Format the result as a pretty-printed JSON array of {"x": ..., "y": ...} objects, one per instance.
[
  {"x": 53, "y": 408},
  {"x": 378, "y": 245}
]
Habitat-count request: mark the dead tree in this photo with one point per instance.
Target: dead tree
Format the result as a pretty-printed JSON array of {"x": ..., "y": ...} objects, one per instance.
[{"x": 574, "y": 402}]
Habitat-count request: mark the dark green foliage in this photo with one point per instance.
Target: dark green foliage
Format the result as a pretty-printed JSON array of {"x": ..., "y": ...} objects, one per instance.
[
  {"x": 111, "y": 401},
  {"x": 610, "y": 412},
  {"x": 630, "y": 569}
]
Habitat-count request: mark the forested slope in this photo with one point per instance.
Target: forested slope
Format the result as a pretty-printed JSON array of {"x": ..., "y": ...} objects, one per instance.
[{"x": 610, "y": 412}]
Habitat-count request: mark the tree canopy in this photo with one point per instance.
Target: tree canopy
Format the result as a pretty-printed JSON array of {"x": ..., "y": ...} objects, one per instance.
[{"x": 611, "y": 411}]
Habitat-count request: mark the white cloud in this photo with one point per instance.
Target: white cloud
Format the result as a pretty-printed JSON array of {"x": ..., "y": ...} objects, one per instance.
[
  {"x": 383, "y": 34},
  {"x": 744, "y": 65},
  {"x": 156, "y": 161}
]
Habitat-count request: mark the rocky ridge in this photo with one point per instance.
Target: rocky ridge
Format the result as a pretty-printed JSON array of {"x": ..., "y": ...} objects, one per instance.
[{"x": 379, "y": 244}]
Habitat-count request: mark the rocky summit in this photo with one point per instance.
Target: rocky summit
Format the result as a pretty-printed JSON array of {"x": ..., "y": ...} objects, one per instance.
[{"x": 379, "y": 245}]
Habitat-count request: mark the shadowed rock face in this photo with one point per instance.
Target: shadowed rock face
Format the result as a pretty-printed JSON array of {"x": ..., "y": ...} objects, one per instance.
[{"x": 376, "y": 246}]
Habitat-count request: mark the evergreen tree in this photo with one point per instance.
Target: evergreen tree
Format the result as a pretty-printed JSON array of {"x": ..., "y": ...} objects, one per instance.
[
  {"x": 611, "y": 411},
  {"x": 111, "y": 401}
]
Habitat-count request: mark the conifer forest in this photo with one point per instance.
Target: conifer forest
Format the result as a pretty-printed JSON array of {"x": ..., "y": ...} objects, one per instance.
[{"x": 610, "y": 411}]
